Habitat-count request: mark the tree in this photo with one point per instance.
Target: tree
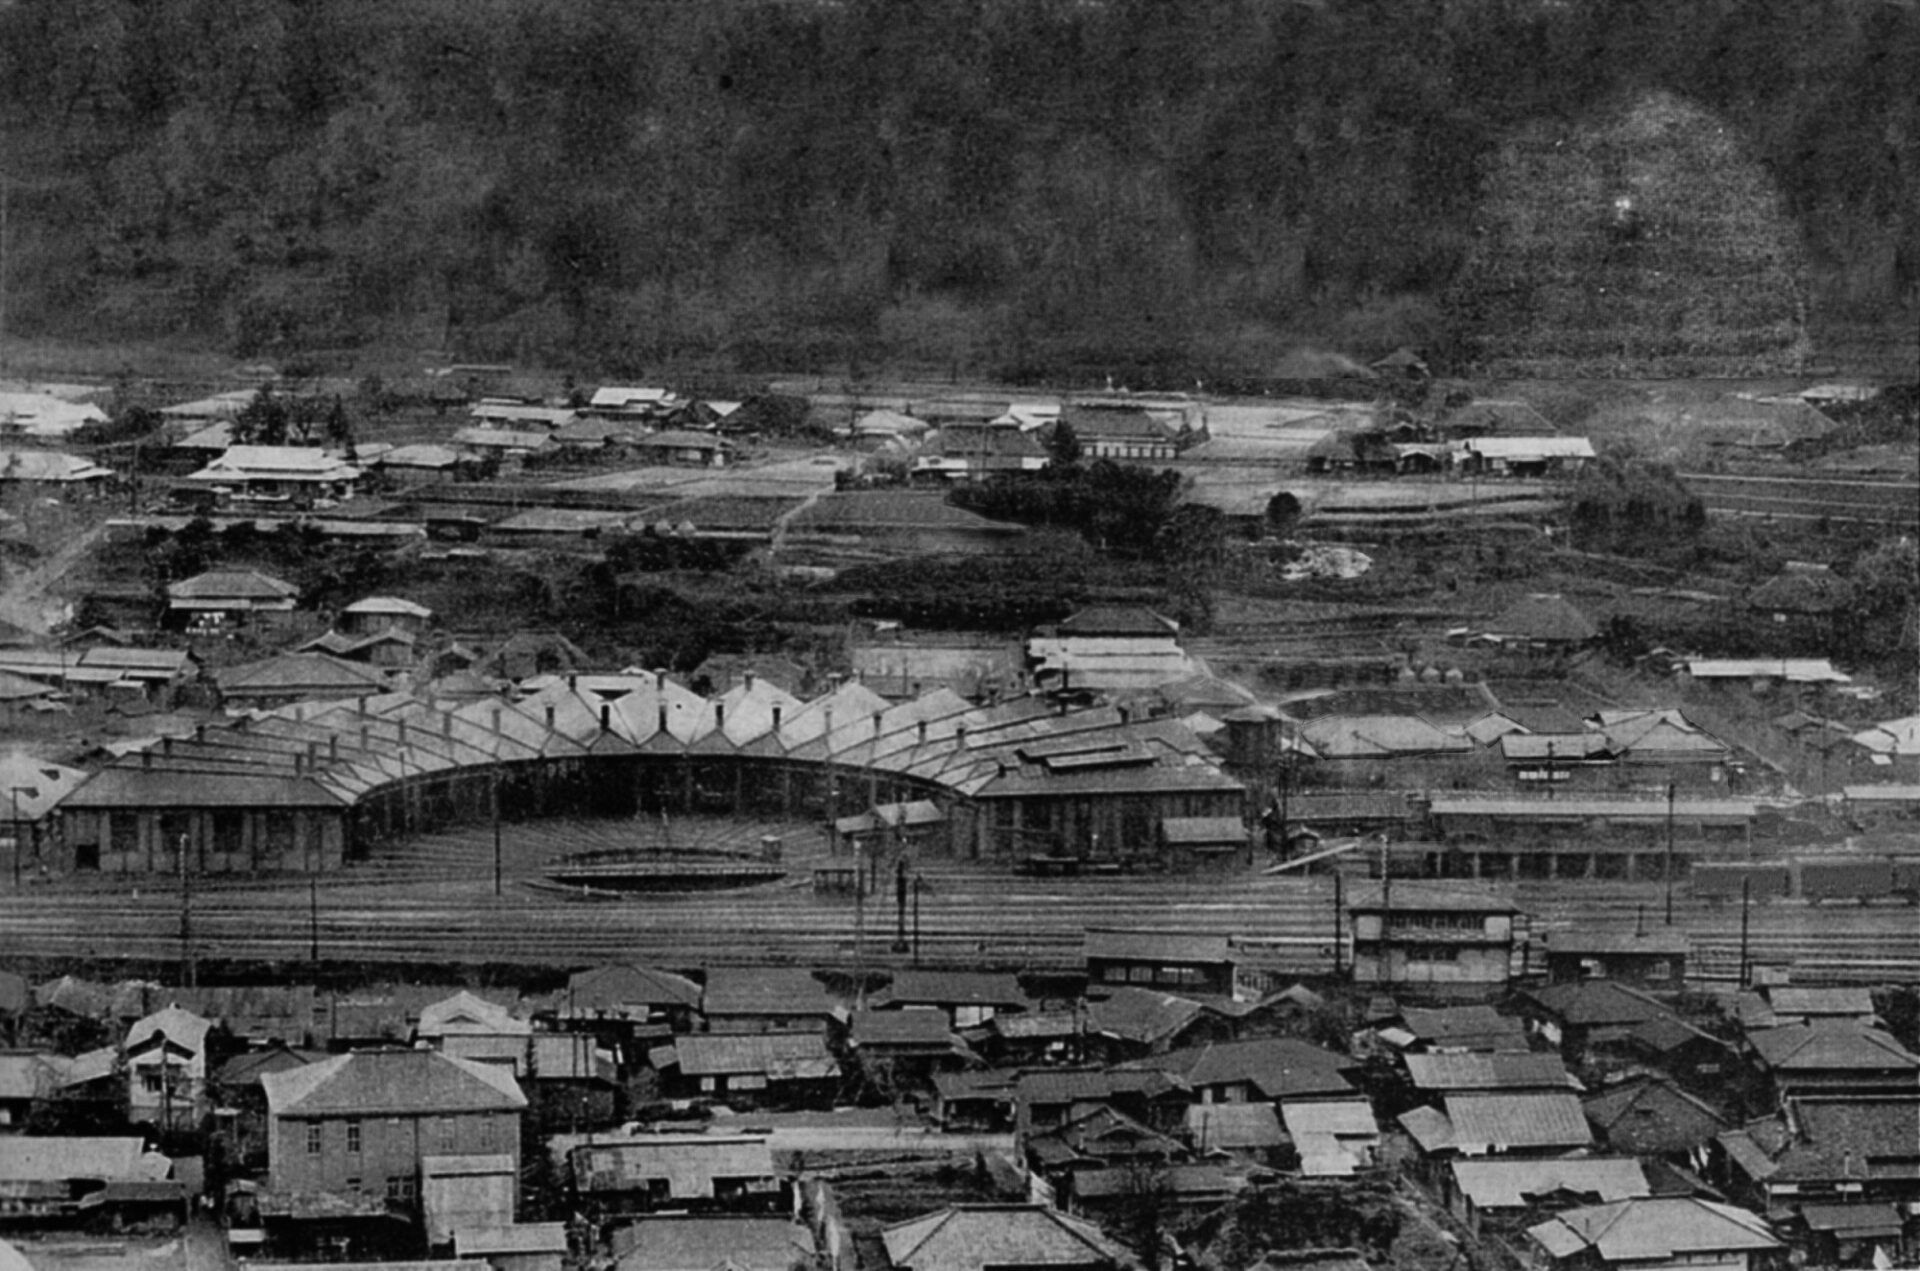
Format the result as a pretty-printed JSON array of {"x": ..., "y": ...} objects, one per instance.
[
  {"x": 262, "y": 421},
  {"x": 1064, "y": 446}
]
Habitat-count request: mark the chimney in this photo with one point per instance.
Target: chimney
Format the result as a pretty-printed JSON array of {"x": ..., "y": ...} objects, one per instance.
[
  {"x": 549, "y": 715},
  {"x": 923, "y": 732},
  {"x": 960, "y": 734},
  {"x": 876, "y": 724},
  {"x": 496, "y": 719},
  {"x": 1126, "y": 714},
  {"x": 719, "y": 716},
  {"x": 606, "y": 718},
  {"x": 663, "y": 717},
  {"x": 660, "y": 679},
  {"x": 199, "y": 732},
  {"x": 573, "y": 684},
  {"x": 146, "y": 760},
  {"x": 827, "y": 715},
  {"x": 747, "y": 678},
  {"x": 776, "y": 717},
  {"x": 166, "y": 745}
]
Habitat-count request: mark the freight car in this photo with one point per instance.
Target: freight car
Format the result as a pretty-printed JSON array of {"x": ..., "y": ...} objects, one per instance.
[
  {"x": 1715, "y": 880},
  {"x": 1811, "y": 878}
]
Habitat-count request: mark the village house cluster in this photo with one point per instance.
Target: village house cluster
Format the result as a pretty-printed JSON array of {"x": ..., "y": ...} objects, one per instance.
[{"x": 653, "y": 1116}]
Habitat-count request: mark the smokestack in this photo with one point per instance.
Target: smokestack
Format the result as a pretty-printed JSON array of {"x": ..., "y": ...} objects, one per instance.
[
  {"x": 776, "y": 717},
  {"x": 606, "y": 718},
  {"x": 719, "y": 715}
]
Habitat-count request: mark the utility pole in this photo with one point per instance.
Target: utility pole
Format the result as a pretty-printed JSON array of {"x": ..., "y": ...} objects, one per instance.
[
  {"x": 313, "y": 918},
  {"x": 496, "y": 829},
  {"x": 1669, "y": 869},
  {"x": 186, "y": 927},
  {"x": 900, "y": 905},
  {"x": 14, "y": 792},
  {"x": 1338, "y": 905},
  {"x": 919, "y": 885},
  {"x": 1746, "y": 913}
]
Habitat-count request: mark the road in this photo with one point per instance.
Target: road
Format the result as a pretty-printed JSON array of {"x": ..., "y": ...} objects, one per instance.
[{"x": 435, "y": 901}]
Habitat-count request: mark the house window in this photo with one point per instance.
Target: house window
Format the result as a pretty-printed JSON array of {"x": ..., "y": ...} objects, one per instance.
[
  {"x": 152, "y": 1081},
  {"x": 486, "y": 1134},
  {"x": 446, "y": 1134},
  {"x": 400, "y": 1189},
  {"x": 313, "y": 1138},
  {"x": 353, "y": 1136}
]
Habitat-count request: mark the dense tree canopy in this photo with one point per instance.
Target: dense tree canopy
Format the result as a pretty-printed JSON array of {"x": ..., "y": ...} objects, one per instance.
[{"x": 1013, "y": 184}]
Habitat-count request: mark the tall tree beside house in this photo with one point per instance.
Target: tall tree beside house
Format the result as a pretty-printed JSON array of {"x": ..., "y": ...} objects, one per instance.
[
  {"x": 263, "y": 421},
  {"x": 1063, "y": 447}
]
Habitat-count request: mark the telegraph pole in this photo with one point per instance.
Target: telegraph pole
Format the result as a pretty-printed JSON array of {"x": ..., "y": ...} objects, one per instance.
[
  {"x": 1669, "y": 868},
  {"x": 1746, "y": 912},
  {"x": 496, "y": 829},
  {"x": 186, "y": 927},
  {"x": 313, "y": 918}
]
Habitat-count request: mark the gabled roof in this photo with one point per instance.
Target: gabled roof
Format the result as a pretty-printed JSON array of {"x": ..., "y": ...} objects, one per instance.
[
  {"x": 712, "y": 1242},
  {"x": 1505, "y": 1122},
  {"x": 1489, "y": 1072},
  {"x": 1142, "y": 1016},
  {"x": 1278, "y": 1067},
  {"x": 1234, "y": 1126},
  {"x": 1474, "y": 1026},
  {"x": 233, "y": 584},
  {"x": 1110, "y": 621},
  {"x": 976, "y": 1237},
  {"x": 301, "y": 673},
  {"x": 465, "y": 1012},
  {"x": 956, "y": 988},
  {"x": 1596, "y": 1003},
  {"x": 389, "y": 604},
  {"x": 1652, "y": 1116},
  {"x": 1654, "y": 1229},
  {"x": 914, "y": 1026},
  {"x": 776, "y": 1056},
  {"x": 1828, "y": 1046},
  {"x": 180, "y": 1027},
  {"x": 612, "y": 987},
  {"x": 1171, "y": 946},
  {"x": 36, "y": 1159},
  {"x": 1839, "y": 1000},
  {"x": 392, "y": 1083},
  {"x": 1511, "y": 1184},
  {"x": 764, "y": 991}
]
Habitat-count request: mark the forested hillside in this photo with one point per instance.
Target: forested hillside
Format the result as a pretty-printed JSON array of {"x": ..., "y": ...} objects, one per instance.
[{"x": 1014, "y": 186}]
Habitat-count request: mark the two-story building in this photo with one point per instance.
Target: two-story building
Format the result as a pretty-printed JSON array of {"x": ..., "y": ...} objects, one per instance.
[
  {"x": 166, "y": 1059},
  {"x": 365, "y": 1122},
  {"x": 1443, "y": 940}
]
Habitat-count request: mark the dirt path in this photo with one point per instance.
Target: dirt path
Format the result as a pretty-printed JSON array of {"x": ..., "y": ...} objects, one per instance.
[{"x": 27, "y": 599}]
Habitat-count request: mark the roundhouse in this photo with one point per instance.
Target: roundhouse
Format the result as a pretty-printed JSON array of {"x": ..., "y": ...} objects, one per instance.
[{"x": 314, "y": 783}]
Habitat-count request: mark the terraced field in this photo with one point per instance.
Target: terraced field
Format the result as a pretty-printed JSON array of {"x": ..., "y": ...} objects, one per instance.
[
  {"x": 435, "y": 900},
  {"x": 1889, "y": 503}
]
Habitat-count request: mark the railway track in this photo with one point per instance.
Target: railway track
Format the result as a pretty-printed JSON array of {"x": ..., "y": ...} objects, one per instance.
[{"x": 435, "y": 902}]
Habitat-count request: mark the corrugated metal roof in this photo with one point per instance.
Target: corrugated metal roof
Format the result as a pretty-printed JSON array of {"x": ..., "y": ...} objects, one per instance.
[
  {"x": 1498, "y": 1184},
  {"x": 1505, "y": 1122}
]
